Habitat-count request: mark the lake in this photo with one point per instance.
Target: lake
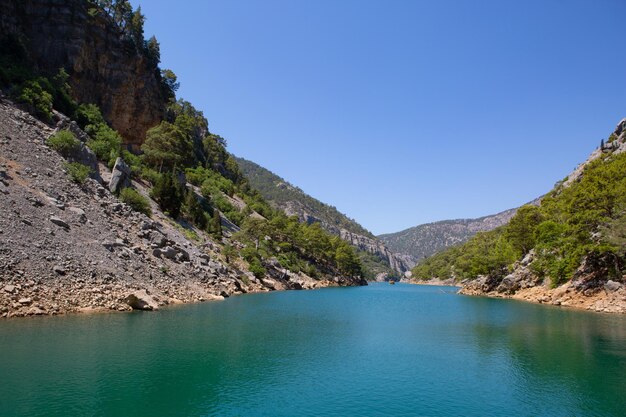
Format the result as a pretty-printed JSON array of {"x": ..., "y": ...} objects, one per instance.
[{"x": 381, "y": 350}]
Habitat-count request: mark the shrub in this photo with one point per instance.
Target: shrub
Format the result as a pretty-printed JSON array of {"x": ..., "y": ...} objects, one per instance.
[
  {"x": 88, "y": 114},
  {"x": 137, "y": 201},
  {"x": 105, "y": 142},
  {"x": 257, "y": 268},
  {"x": 64, "y": 142},
  {"x": 36, "y": 98},
  {"x": 78, "y": 172}
]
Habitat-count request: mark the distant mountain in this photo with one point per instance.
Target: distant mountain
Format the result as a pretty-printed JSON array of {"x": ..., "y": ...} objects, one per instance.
[
  {"x": 422, "y": 241},
  {"x": 293, "y": 201}
]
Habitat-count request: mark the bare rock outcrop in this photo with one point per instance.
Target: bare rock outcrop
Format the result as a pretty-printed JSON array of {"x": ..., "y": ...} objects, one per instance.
[{"x": 104, "y": 68}]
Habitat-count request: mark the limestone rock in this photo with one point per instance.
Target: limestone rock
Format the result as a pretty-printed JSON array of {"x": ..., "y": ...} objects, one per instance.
[
  {"x": 120, "y": 177},
  {"x": 59, "y": 222},
  {"x": 141, "y": 300},
  {"x": 103, "y": 68}
]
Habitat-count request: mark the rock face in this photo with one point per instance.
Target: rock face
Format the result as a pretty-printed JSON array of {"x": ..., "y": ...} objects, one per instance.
[
  {"x": 104, "y": 68},
  {"x": 377, "y": 248}
]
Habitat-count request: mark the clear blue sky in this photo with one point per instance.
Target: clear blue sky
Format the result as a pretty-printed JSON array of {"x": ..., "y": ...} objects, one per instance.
[{"x": 403, "y": 112}]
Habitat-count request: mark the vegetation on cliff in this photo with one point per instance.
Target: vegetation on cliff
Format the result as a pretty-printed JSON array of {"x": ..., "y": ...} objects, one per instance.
[
  {"x": 178, "y": 149},
  {"x": 292, "y": 200},
  {"x": 582, "y": 220}
]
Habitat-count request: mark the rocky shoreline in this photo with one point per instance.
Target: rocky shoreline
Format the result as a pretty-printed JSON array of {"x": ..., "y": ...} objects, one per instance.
[{"x": 610, "y": 298}]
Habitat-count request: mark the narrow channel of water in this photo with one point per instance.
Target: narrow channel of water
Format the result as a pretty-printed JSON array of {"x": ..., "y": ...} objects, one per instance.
[{"x": 376, "y": 350}]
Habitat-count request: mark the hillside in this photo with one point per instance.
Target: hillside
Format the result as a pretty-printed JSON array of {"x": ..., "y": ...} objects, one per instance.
[
  {"x": 424, "y": 240},
  {"x": 100, "y": 218},
  {"x": 570, "y": 250},
  {"x": 295, "y": 202}
]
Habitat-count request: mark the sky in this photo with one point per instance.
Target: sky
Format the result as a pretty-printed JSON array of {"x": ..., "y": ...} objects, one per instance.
[{"x": 397, "y": 112}]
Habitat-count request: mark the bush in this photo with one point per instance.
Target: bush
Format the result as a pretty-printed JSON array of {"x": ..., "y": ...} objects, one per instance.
[
  {"x": 64, "y": 142},
  {"x": 78, "y": 172},
  {"x": 257, "y": 268},
  {"x": 88, "y": 114},
  {"x": 105, "y": 142},
  {"x": 36, "y": 98},
  {"x": 137, "y": 201}
]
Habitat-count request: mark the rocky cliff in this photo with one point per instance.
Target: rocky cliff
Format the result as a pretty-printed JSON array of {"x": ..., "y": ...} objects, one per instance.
[
  {"x": 104, "y": 68},
  {"x": 294, "y": 202}
]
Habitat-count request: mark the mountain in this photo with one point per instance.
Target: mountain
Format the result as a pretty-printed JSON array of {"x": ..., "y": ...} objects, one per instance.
[
  {"x": 569, "y": 250},
  {"x": 115, "y": 194},
  {"x": 295, "y": 202},
  {"x": 422, "y": 241}
]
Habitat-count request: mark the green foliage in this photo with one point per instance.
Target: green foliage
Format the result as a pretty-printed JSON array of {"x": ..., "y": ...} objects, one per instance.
[
  {"x": 571, "y": 223},
  {"x": 78, "y": 172},
  {"x": 215, "y": 225},
  {"x": 137, "y": 201},
  {"x": 64, "y": 142},
  {"x": 229, "y": 252},
  {"x": 298, "y": 246},
  {"x": 278, "y": 192},
  {"x": 37, "y": 100},
  {"x": 166, "y": 147},
  {"x": 169, "y": 84},
  {"x": 194, "y": 211},
  {"x": 105, "y": 142},
  {"x": 169, "y": 194},
  {"x": 88, "y": 114}
]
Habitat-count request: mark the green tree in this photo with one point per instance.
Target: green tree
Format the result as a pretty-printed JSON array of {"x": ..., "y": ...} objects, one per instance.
[
  {"x": 166, "y": 147},
  {"x": 194, "y": 210},
  {"x": 168, "y": 193},
  {"x": 521, "y": 229},
  {"x": 347, "y": 261},
  {"x": 169, "y": 84},
  {"x": 215, "y": 225}
]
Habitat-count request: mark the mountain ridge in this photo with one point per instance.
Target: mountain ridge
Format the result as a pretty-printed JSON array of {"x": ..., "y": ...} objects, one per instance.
[{"x": 295, "y": 202}]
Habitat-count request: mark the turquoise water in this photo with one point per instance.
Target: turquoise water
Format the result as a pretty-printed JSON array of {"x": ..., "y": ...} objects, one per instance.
[{"x": 380, "y": 350}]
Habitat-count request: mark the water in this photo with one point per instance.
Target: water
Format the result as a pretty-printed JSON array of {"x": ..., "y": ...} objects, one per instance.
[{"x": 379, "y": 350}]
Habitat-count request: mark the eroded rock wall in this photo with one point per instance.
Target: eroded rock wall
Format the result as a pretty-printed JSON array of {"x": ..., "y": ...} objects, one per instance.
[{"x": 104, "y": 68}]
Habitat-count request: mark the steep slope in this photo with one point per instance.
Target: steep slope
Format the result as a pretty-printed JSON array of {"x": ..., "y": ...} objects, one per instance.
[
  {"x": 105, "y": 66},
  {"x": 570, "y": 250},
  {"x": 424, "y": 240},
  {"x": 69, "y": 247},
  {"x": 295, "y": 202}
]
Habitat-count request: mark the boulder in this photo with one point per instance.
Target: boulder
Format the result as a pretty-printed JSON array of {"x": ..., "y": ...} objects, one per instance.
[
  {"x": 141, "y": 300},
  {"x": 167, "y": 252},
  {"x": 612, "y": 286},
  {"x": 59, "y": 269},
  {"x": 80, "y": 213},
  {"x": 120, "y": 177},
  {"x": 59, "y": 222}
]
